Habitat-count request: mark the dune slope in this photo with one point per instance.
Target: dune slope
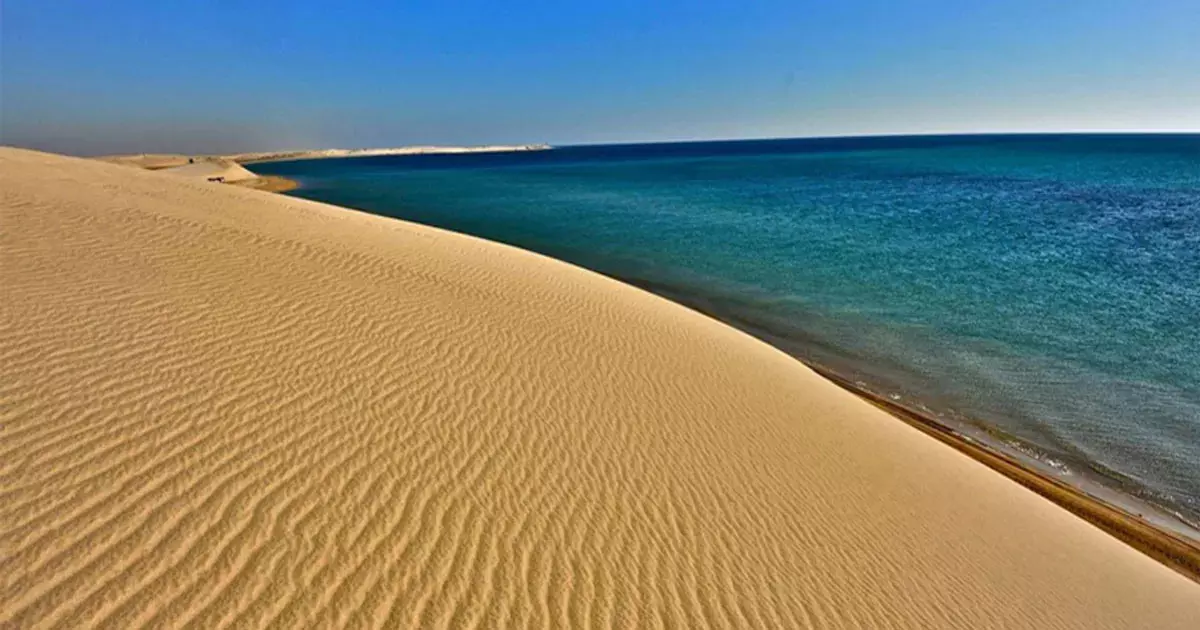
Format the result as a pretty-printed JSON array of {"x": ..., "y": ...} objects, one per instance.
[
  {"x": 222, "y": 407},
  {"x": 205, "y": 169}
]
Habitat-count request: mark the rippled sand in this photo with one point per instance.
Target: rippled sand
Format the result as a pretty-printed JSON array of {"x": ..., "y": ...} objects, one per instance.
[{"x": 223, "y": 407}]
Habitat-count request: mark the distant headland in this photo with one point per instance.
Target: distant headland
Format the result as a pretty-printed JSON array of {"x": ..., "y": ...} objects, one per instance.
[
  {"x": 312, "y": 154},
  {"x": 228, "y": 169}
]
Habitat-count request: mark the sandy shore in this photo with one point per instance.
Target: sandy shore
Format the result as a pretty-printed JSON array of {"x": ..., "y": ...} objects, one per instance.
[
  {"x": 227, "y": 408},
  {"x": 209, "y": 168},
  {"x": 1174, "y": 549},
  {"x": 270, "y": 183},
  {"x": 313, "y": 154},
  {"x": 229, "y": 169},
  {"x": 1149, "y": 528}
]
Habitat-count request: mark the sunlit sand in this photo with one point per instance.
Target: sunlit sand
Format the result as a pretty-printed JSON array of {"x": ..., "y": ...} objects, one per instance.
[{"x": 223, "y": 407}]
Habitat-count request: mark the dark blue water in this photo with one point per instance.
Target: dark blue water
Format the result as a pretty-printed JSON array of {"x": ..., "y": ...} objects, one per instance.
[{"x": 1045, "y": 287}]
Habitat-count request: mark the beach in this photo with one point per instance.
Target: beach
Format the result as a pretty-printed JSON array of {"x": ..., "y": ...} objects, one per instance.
[
  {"x": 315, "y": 154},
  {"x": 223, "y": 407},
  {"x": 229, "y": 169}
]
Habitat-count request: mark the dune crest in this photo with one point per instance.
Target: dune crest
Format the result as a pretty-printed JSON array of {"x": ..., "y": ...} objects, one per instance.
[{"x": 222, "y": 407}]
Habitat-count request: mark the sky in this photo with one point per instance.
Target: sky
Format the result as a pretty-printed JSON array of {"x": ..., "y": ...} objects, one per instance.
[{"x": 191, "y": 76}]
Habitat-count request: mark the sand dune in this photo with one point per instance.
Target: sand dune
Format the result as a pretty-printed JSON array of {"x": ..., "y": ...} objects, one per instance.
[
  {"x": 150, "y": 161},
  {"x": 222, "y": 407},
  {"x": 206, "y": 169}
]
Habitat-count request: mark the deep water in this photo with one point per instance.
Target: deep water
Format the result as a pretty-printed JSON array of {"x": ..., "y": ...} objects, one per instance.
[{"x": 1045, "y": 286}]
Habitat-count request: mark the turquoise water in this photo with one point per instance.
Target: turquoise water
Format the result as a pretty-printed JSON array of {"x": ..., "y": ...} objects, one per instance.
[{"x": 1044, "y": 286}]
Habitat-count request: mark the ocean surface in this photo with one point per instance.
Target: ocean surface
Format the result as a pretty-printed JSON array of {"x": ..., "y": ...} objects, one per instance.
[{"x": 1043, "y": 290}]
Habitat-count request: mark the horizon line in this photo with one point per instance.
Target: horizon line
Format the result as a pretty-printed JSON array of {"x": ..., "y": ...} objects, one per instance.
[
  {"x": 693, "y": 140},
  {"x": 921, "y": 134}
]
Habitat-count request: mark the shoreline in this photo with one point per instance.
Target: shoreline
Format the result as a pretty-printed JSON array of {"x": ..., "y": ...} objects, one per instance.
[
  {"x": 1178, "y": 548},
  {"x": 174, "y": 162},
  {"x": 1175, "y": 547},
  {"x": 269, "y": 183},
  {"x": 1113, "y": 488},
  {"x": 330, "y": 154},
  {"x": 1171, "y": 549}
]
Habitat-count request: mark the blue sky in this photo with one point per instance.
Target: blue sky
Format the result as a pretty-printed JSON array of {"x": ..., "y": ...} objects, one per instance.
[{"x": 227, "y": 75}]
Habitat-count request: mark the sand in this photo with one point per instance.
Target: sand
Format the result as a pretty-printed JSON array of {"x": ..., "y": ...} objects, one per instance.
[
  {"x": 228, "y": 169},
  {"x": 209, "y": 169},
  {"x": 204, "y": 167},
  {"x": 224, "y": 407},
  {"x": 269, "y": 183},
  {"x": 150, "y": 161},
  {"x": 312, "y": 154},
  {"x": 158, "y": 161}
]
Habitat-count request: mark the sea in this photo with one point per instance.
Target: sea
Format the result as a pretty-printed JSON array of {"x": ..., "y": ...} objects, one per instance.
[{"x": 1037, "y": 292}]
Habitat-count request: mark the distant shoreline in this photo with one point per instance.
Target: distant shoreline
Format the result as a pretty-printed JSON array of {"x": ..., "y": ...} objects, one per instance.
[
  {"x": 228, "y": 169},
  {"x": 320, "y": 154}
]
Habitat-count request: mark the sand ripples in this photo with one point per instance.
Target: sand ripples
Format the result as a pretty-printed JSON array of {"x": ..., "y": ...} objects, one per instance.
[{"x": 223, "y": 408}]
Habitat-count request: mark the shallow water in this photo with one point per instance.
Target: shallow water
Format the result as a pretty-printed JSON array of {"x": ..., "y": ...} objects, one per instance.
[{"x": 1044, "y": 286}]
